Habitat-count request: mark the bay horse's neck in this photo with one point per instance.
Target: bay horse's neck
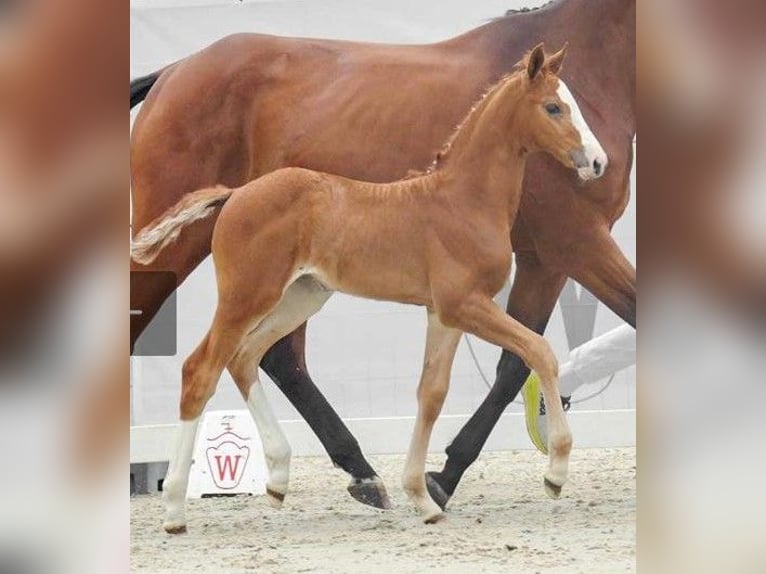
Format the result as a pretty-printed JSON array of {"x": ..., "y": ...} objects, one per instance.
[{"x": 600, "y": 66}]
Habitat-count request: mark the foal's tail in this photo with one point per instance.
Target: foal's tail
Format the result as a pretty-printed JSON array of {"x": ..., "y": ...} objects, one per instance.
[{"x": 164, "y": 230}]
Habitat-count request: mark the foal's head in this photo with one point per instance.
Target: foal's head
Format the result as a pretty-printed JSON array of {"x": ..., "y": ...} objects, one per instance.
[{"x": 550, "y": 119}]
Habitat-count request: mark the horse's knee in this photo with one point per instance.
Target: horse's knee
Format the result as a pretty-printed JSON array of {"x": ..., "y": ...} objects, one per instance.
[
  {"x": 430, "y": 401},
  {"x": 510, "y": 375},
  {"x": 543, "y": 360}
]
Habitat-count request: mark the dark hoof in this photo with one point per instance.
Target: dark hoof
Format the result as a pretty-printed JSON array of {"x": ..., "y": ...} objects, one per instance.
[
  {"x": 275, "y": 498},
  {"x": 370, "y": 491},
  {"x": 435, "y": 518},
  {"x": 436, "y": 491},
  {"x": 278, "y": 495},
  {"x": 553, "y": 490}
]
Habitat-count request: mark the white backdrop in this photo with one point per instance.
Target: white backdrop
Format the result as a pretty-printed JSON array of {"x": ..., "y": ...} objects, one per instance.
[{"x": 365, "y": 356}]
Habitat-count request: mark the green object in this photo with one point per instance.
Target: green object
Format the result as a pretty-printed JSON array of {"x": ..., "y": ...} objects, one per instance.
[{"x": 531, "y": 393}]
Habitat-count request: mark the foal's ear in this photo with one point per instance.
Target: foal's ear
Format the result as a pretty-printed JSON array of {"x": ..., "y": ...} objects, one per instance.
[
  {"x": 553, "y": 64},
  {"x": 535, "y": 61}
]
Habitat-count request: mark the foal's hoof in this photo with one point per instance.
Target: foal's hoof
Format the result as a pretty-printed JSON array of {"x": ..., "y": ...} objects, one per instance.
[
  {"x": 434, "y": 518},
  {"x": 172, "y": 528},
  {"x": 436, "y": 491},
  {"x": 551, "y": 488},
  {"x": 370, "y": 491},
  {"x": 275, "y": 498}
]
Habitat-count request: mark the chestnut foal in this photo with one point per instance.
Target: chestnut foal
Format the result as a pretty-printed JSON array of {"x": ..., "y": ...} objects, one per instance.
[{"x": 286, "y": 241}]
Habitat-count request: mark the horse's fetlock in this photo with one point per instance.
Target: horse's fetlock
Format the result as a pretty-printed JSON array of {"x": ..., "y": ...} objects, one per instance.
[
  {"x": 279, "y": 456},
  {"x": 412, "y": 485},
  {"x": 562, "y": 443}
]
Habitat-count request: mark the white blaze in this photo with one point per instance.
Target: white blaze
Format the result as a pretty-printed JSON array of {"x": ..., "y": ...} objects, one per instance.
[{"x": 591, "y": 146}]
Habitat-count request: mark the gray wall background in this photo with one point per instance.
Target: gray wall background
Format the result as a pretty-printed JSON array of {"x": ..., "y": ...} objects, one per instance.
[{"x": 365, "y": 356}]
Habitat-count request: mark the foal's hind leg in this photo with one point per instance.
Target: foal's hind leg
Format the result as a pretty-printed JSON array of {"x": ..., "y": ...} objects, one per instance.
[
  {"x": 441, "y": 344},
  {"x": 276, "y": 448},
  {"x": 200, "y": 375},
  {"x": 301, "y": 300},
  {"x": 480, "y": 316}
]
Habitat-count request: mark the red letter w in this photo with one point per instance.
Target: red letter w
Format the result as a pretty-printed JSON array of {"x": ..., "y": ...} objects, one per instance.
[{"x": 227, "y": 466}]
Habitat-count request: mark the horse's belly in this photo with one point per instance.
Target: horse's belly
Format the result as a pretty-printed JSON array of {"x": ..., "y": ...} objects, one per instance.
[{"x": 370, "y": 280}]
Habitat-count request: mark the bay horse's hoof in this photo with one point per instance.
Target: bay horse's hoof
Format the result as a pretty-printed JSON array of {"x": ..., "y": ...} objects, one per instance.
[
  {"x": 275, "y": 498},
  {"x": 551, "y": 488},
  {"x": 171, "y": 528},
  {"x": 370, "y": 491},
  {"x": 436, "y": 491}
]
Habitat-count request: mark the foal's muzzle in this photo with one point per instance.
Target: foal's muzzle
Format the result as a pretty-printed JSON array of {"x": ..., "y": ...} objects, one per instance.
[{"x": 590, "y": 163}]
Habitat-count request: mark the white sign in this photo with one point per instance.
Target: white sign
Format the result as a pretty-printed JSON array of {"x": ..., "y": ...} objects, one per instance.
[{"x": 228, "y": 456}]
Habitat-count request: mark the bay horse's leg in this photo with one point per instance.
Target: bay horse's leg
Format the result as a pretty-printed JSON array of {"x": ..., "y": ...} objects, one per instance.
[
  {"x": 533, "y": 297},
  {"x": 200, "y": 375},
  {"x": 441, "y": 344},
  {"x": 480, "y": 316},
  {"x": 604, "y": 270},
  {"x": 300, "y": 301},
  {"x": 285, "y": 364}
]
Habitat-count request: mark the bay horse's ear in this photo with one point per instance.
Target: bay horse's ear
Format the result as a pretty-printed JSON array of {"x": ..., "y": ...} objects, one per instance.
[
  {"x": 553, "y": 64},
  {"x": 535, "y": 61}
]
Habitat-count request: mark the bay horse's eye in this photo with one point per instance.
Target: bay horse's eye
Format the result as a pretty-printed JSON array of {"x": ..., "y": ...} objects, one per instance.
[{"x": 552, "y": 109}]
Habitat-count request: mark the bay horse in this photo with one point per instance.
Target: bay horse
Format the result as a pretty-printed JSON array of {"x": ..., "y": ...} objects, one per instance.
[
  {"x": 285, "y": 242},
  {"x": 339, "y": 107}
]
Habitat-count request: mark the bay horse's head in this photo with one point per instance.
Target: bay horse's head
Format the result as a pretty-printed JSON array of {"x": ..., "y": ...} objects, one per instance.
[{"x": 553, "y": 120}]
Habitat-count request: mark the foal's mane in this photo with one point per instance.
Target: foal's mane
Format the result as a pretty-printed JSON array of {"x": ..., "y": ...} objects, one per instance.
[{"x": 518, "y": 68}]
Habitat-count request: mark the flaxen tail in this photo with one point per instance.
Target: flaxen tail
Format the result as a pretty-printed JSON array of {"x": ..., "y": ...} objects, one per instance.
[{"x": 152, "y": 239}]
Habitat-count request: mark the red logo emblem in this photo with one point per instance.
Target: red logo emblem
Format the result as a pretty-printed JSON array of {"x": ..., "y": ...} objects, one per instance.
[{"x": 227, "y": 460}]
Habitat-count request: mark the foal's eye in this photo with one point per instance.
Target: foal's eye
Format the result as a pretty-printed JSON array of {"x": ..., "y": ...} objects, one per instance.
[{"x": 552, "y": 109}]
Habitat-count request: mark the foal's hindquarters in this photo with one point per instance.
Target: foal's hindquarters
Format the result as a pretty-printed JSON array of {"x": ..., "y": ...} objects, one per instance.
[{"x": 262, "y": 296}]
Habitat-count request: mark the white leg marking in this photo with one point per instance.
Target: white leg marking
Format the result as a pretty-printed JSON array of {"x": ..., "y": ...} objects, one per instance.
[
  {"x": 559, "y": 438},
  {"x": 276, "y": 449},
  {"x": 301, "y": 299},
  {"x": 177, "y": 479}
]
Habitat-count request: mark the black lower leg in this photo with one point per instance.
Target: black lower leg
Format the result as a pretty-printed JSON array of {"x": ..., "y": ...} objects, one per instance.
[
  {"x": 466, "y": 446},
  {"x": 287, "y": 371}
]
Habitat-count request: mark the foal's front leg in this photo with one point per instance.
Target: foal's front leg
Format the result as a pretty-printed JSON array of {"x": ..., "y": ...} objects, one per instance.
[
  {"x": 532, "y": 299},
  {"x": 480, "y": 316},
  {"x": 441, "y": 344}
]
